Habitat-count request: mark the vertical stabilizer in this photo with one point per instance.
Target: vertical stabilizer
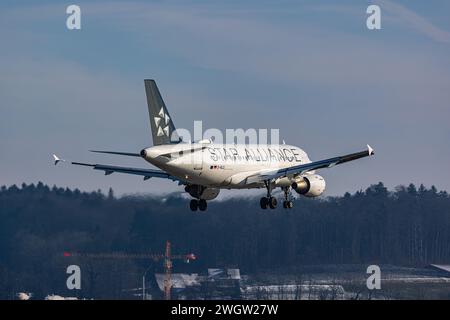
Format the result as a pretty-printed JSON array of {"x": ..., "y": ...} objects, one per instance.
[{"x": 163, "y": 129}]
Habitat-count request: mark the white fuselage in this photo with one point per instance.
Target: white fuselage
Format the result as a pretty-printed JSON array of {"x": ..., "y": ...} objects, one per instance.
[{"x": 224, "y": 165}]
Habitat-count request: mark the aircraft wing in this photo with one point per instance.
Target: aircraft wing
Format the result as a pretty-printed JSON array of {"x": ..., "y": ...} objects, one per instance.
[
  {"x": 146, "y": 173},
  {"x": 303, "y": 168}
]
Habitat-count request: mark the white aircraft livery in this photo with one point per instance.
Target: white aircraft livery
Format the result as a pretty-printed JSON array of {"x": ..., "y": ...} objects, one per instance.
[{"x": 204, "y": 167}]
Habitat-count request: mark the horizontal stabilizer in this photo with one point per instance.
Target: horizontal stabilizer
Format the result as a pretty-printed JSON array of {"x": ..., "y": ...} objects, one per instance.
[
  {"x": 130, "y": 154},
  {"x": 146, "y": 173}
]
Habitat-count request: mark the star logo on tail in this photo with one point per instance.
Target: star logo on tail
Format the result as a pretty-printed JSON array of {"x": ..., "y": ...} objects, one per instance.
[{"x": 162, "y": 123}]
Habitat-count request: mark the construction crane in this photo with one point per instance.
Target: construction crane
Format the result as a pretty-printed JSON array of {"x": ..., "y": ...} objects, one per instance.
[{"x": 167, "y": 258}]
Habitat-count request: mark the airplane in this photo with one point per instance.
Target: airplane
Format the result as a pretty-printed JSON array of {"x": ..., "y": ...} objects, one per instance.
[{"x": 205, "y": 168}]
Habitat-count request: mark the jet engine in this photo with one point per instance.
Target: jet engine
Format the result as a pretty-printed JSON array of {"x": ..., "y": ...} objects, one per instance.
[
  {"x": 201, "y": 192},
  {"x": 311, "y": 185}
]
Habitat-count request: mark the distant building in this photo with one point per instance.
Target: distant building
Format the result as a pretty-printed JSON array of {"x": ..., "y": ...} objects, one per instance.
[
  {"x": 179, "y": 281},
  {"x": 234, "y": 274},
  {"x": 293, "y": 292},
  {"x": 216, "y": 284},
  {"x": 24, "y": 296},
  {"x": 442, "y": 268},
  {"x": 57, "y": 297},
  {"x": 216, "y": 273}
]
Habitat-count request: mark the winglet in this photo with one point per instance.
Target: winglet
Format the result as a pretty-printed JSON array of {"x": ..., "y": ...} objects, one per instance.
[
  {"x": 56, "y": 159},
  {"x": 370, "y": 150}
]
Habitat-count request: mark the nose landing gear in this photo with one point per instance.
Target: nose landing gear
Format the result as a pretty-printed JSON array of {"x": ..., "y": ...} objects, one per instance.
[{"x": 287, "y": 203}]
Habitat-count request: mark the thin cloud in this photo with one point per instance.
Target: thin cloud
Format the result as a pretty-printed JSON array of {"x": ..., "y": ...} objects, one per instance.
[{"x": 411, "y": 19}]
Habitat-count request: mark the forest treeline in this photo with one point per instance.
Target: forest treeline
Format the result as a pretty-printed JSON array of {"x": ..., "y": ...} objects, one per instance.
[{"x": 407, "y": 226}]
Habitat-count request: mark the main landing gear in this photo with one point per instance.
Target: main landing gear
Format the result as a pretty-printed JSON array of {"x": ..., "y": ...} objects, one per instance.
[
  {"x": 271, "y": 202},
  {"x": 198, "y": 204}
]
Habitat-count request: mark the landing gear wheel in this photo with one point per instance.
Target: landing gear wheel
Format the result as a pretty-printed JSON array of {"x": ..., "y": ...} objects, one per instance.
[
  {"x": 193, "y": 205},
  {"x": 289, "y": 204},
  {"x": 202, "y": 205},
  {"x": 269, "y": 200},
  {"x": 273, "y": 202},
  {"x": 264, "y": 202}
]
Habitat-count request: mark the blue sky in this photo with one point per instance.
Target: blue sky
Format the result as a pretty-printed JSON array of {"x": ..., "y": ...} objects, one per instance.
[{"x": 310, "y": 68}]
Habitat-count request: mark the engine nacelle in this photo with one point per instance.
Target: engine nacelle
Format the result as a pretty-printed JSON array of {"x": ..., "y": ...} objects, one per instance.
[
  {"x": 201, "y": 192},
  {"x": 311, "y": 185}
]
